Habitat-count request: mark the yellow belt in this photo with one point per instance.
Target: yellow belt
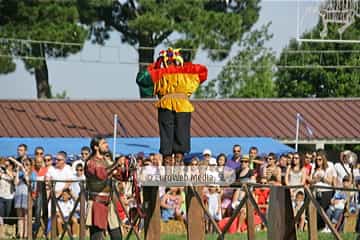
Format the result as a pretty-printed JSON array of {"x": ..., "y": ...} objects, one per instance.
[{"x": 174, "y": 95}]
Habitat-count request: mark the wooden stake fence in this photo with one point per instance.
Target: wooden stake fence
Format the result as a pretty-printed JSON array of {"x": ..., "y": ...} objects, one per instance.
[{"x": 281, "y": 226}]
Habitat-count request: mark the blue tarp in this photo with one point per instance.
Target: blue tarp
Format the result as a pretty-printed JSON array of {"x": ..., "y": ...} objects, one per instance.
[{"x": 147, "y": 145}]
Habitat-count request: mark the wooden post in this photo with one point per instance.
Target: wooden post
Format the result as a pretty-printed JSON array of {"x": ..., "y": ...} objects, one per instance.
[
  {"x": 211, "y": 219},
  {"x": 53, "y": 212},
  {"x": 322, "y": 214},
  {"x": 281, "y": 215},
  {"x": 312, "y": 224},
  {"x": 29, "y": 216},
  {"x": 152, "y": 213},
  {"x": 255, "y": 205},
  {"x": 250, "y": 220},
  {"x": 82, "y": 211},
  {"x": 195, "y": 217},
  {"x": 233, "y": 216}
]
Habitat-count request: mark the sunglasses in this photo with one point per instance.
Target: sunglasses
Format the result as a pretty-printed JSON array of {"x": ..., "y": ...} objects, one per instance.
[
  {"x": 270, "y": 159},
  {"x": 47, "y": 159},
  {"x": 39, "y": 153},
  {"x": 319, "y": 159},
  {"x": 60, "y": 159},
  {"x": 236, "y": 151},
  {"x": 244, "y": 161}
]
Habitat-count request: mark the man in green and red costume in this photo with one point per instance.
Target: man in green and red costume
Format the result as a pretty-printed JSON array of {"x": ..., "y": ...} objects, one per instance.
[{"x": 173, "y": 82}]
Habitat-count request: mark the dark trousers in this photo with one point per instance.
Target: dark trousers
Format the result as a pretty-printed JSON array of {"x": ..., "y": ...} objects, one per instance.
[
  {"x": 324, "y": 198},
  {"x": 98, "y": 234},
  {"x": 40, "y": 208},
  {"x": 174, "y": 131},
  {"x": 6, "y": 205}
]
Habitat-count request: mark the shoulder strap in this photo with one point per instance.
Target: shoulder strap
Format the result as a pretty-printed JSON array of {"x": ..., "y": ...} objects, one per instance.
[{"x": 347, "y": 172}]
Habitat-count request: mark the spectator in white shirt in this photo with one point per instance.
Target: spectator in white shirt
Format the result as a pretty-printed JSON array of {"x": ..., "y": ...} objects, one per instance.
[
  {"x": 85, "y": 153},
  {"x": 61, "y": 172},
  {"x": 79, "y": 176},
  {"x": 342, "y": 168}
]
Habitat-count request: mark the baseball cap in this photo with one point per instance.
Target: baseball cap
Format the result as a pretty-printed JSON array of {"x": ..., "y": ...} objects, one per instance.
[{"x": 207, "y": 152}]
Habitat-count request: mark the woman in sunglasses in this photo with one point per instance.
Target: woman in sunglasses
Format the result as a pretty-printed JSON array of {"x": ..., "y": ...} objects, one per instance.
[
  {"x": 323, "y": 175},
  {"x": 7, "y": 186},
  {"x": 21, "y": 195},
  {"x": 295, "y": 173},
  {"x": 272, "y": 171}
]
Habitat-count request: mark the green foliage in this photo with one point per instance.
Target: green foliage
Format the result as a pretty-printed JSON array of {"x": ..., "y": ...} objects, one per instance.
[
  {"x": 58, "y": 95},
  {"x": 49, "y": 21},
  {"x": 203, "y": 23},
  {"x": 249, "y": 74},
  {"x": 320, "y": 81},
  {"x": 342, "y": 147},
  {"x": 6, "y": 63},
  {"x": 53, "y": 21}
]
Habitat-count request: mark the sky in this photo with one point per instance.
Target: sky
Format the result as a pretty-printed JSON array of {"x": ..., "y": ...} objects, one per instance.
[{"x": 109, "y": 79}]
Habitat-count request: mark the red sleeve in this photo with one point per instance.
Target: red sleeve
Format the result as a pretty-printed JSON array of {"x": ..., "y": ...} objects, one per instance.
[
  {"x": 157, "y": 73},
  {"x": 96, "y": 170}
]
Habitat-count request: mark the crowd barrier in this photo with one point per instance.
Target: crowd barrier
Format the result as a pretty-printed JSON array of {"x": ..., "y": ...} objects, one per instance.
[{"x": 281, "y": 226}]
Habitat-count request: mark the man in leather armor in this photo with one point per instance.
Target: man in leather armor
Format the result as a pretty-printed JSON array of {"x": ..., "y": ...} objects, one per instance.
[{"x": 101, "y": 213}]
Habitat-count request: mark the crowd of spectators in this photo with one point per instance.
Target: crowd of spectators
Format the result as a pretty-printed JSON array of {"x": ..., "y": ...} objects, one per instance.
[{"x": 25, "y": 176}]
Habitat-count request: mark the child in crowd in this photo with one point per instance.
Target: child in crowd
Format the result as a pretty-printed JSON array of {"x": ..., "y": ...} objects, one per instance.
[
  {"x": 66, "y": 205},
  {"x": 226, "y": 200},
  {"x": 297, "y": 204},
  {"x": 171, "y": 204},
  {"x": 338, "y": 203},
  {"x": 214, "y": 205},
  {"x": 262, "y": 196}
]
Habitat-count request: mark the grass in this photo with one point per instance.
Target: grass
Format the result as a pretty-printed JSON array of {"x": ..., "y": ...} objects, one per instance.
[
  {"x": 243, "y": 236},
  {"x": 258, "y": 236}
]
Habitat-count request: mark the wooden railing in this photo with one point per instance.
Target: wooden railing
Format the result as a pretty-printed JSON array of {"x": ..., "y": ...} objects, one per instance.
[{"x": 281, "y": 226}]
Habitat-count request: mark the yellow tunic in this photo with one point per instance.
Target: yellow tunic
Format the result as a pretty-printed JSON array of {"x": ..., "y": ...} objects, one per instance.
[{"x": 174, "y": 91}]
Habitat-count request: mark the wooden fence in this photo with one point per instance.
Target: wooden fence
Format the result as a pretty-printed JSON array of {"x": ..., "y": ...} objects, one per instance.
[{"x": 280, "y": 222}]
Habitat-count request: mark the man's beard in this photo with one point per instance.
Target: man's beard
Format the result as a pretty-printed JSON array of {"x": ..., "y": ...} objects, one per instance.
[{"x": 103, "y": 152}]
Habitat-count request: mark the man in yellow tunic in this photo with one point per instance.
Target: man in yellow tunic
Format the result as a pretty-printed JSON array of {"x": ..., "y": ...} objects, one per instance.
[{"x": 173, "y": 81}]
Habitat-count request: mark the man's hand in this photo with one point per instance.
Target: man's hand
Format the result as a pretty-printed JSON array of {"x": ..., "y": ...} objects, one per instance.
[{"x": 110, "y": 170}]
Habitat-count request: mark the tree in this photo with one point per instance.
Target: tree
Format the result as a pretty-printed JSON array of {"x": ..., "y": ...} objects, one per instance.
[
  {"x": 249, "y": 74},
  {"x": 6, "y": 63},
  {"x": 59, "y": 95},
  {"x": 198, "y": 24},
  {"x": 321, "y": 81},
  {"x": 52, "y": 21}
]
